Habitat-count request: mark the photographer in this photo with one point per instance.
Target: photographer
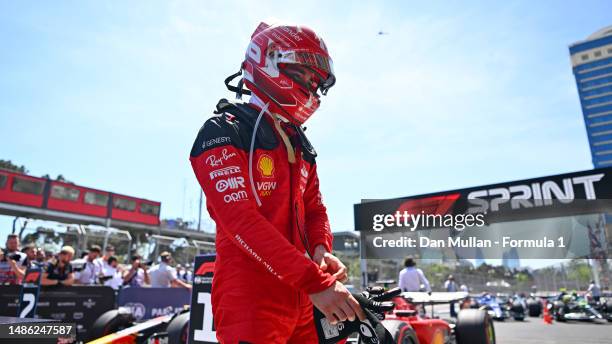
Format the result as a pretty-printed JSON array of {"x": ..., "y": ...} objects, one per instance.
[
  {"x": 13, "y": 248},
  {"x": 111, "y": 273},
  {"x": 89, "y": 267},
  {"x": 163, "y": 275},
  {"x": 138, "y": 275},
  {"x": 59, "y": 270},
  {"x": 10, "y": 270}
]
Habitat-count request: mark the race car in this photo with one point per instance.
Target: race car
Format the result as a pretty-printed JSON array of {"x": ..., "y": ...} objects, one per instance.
[
  {"x": 119, "y": 327},
  {"x": 516, "y": 306},
  {"x": 567, "y": 307},
  {"x": 490, "y": 304},
  {"x": 534, "y": 306},
  {"x": 603, "y": 306},
  {"x": 410, "y": 324}
]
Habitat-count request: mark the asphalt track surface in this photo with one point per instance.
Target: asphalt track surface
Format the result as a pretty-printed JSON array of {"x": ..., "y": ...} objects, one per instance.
[{"x": 534, "y": 330}]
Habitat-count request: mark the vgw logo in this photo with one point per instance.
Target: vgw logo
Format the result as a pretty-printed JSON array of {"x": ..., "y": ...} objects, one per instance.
[
  {"x": 266, "y": 188},
  {"x": 533, "y": 195}
]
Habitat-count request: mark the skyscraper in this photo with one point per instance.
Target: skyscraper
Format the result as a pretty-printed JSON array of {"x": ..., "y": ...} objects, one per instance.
[{"x": 592, "y": 67}]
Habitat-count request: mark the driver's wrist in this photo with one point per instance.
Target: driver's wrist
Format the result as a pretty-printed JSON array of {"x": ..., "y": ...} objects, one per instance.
[{"x": 319, "y": 250}]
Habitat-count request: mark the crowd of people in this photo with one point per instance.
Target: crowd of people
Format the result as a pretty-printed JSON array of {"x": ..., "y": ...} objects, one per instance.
[{"x": 94, "y": 267}]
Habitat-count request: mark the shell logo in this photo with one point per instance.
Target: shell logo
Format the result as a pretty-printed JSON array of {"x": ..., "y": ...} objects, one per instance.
[{"x": 265, "y": 165}]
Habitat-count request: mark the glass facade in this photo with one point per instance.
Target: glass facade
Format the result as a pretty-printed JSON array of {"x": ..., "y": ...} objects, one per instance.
[{"x": 592, "y": 67}]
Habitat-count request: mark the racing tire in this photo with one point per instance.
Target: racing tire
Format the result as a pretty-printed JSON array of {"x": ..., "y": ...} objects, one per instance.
[
  {"x": 518, "y": 311},
  {"x": 559, "y": 311},
  {"x": 607, "y": 309},
  {"x": 110, "y": 322},
  {"x": 534, "y": 309},
  {"x": 178, "y": 329},
  {"x": 402, "y": 332},
  {"x": 474, "y": 326}
]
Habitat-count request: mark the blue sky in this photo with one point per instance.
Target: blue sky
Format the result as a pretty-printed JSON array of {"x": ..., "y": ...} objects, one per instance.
[{"x": 111, "y": 94}]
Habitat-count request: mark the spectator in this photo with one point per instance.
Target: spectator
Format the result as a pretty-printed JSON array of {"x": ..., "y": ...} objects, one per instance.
[
  {"x": 109, "y": 251},
  {"x": 451, "y": 286},
  {"x": 90, "y": 269},
  {"x": 49, "y": 256},
  {"x": 13, "y": 273},
  {"x": 595, "y": 291},
  {"x": 464, "y": 288},
  {"x": 138, "y": 275},
  {"x": 13, "y": 248},
  {"x": 12, "y": 244},
  {"x": 188, "y": 273},
  {"x": 164, "y": 276},
  {"x": 40, "y": 256},
  {"x": 180, "y": 272},
  {"x": 10, "y": 271},
  {"x": 412, "y": 278},
  {"x": 111, "y": 273},
  {"x": 59, "y": 270},
  {"x": 30, "y": 252}
]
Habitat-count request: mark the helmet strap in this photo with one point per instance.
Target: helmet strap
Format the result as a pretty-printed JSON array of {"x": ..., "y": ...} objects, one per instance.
[
  {"x": 285, "y": 138},
  {"x": 239, "y": 90}
]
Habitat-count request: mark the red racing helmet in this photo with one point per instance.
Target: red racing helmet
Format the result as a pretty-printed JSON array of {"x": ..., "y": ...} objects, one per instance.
[{"x": 288, "y": 67}]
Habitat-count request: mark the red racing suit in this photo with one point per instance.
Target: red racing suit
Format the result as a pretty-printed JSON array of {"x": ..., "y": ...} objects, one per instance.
[{"x": 262, "y": 273}]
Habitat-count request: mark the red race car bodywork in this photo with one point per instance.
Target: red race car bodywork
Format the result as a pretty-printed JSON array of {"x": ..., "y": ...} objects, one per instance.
[{"x": 472, "y": 326}]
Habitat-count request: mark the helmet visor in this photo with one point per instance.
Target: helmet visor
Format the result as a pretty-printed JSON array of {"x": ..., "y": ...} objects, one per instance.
[
  {"x": 305, "y": 76},
  {"x": 322, "y": 65}
]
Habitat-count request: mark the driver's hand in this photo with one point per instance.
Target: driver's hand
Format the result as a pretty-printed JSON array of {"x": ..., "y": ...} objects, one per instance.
[
  {"x": 337, "y": 304},
  {"x": 330, "y": 263}
]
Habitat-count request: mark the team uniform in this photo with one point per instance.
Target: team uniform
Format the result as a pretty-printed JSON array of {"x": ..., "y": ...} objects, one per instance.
[
  {"x": 259, "y": 175},
  {"x": 262, "y": 271}
]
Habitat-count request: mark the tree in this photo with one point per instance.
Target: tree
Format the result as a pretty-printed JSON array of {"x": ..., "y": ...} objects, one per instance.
[
  {"x": 61, "y": 178},
  {"x": 579, "y": 271},
  {"x": 436, "y": 273},
  {"x": 8, "y": 165}
]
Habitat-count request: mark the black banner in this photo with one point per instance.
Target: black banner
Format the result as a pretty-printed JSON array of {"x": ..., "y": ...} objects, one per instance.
[
  {"x": 586, "y": 192},
  {"x": 561, "y": 216},
  {"x": 78, "y": 304},
  {"x": 201, "y": 329}
]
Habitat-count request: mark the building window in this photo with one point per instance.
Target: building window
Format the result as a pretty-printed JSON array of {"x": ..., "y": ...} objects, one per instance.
[
  {"x": 95, "y": 198},
  {"x": 609, "y": 50},
  {"x": 3, "y": 179},
  {"x": 584, "y": 57},
  {"x": 149, "y": 209},
  {"x": 63, "y": 192},
  {"x": 28, "y": 186},
  {"x": 124, "y": 204},
  {"x": 597, "y": 53}
]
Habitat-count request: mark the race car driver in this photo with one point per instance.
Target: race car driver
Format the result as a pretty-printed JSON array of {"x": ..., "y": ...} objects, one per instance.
[{"x": 259, "y": 175}]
